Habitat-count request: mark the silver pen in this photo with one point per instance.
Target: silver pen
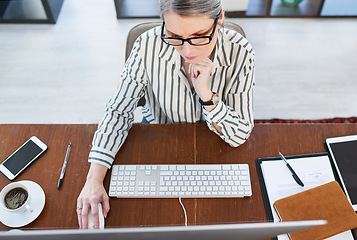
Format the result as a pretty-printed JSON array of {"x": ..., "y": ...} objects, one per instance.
[
  {"x": 295, "y": 176},
  {"x": 64, "y": 167}
]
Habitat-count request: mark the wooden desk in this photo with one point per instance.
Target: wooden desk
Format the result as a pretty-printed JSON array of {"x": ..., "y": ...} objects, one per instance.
[{"x": 155, "y": 144}]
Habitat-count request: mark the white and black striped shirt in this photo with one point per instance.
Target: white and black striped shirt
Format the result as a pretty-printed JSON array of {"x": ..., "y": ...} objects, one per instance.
[{"x": 154, "y": 69}]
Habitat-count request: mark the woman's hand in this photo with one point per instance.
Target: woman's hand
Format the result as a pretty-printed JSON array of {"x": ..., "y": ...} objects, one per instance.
[
  {"x": 200, "y": 73},
  {"x": 92, "y": 193}
]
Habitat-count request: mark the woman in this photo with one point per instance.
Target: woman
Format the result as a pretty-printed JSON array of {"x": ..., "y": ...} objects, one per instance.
[{"x": 190, "y": 70}]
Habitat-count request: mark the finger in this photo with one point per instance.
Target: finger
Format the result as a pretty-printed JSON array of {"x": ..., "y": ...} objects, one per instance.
[
  {"x": 192, "y": 66},
  {"x": 94, "y": 210},
  {"x": 106, "y": 206},
  {"x": 85, "y": 212},
  {"x": 79, "y": 212},
  {"x": 205, "y": 62},
  {"x": 194, "y": 71},
  {"x": 190, "y": 69},
  {"x": 79, "y": 217},
  {"x": 201, "y": 69},
  {"x": 194, "y": 74}
]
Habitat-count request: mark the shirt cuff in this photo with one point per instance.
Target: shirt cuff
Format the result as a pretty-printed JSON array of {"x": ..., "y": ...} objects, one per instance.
[
  {"x": 101, "y": 156},
  {"x": 217, "y": 115}
]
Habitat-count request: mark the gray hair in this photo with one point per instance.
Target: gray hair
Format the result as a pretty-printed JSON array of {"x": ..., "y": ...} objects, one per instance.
[{"x": 212, "y": 8}]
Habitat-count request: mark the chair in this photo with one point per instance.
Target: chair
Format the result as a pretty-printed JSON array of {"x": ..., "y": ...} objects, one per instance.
[{"x": 137, "y": 30}]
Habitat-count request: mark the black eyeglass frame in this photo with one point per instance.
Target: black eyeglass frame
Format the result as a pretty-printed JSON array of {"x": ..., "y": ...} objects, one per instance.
[{"x": 210, "y": 37}]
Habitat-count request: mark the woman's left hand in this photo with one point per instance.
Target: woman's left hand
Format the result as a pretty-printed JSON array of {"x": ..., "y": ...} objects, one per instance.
[{"x": 200, "y": 73}]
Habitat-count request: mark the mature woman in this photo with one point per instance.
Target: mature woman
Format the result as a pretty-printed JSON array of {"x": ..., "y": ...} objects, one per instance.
[{"x": 190, "y": 70}]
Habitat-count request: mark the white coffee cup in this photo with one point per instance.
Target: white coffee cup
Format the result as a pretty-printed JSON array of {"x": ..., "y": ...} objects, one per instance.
[{"x": 15, "y": 198}]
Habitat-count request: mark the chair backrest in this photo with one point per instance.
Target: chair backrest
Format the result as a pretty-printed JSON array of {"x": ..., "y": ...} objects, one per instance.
[{"x": 137, "y": 30}]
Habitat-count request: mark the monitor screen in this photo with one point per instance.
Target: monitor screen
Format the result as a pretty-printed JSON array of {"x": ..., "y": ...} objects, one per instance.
[{"x": 244, "y": 231}]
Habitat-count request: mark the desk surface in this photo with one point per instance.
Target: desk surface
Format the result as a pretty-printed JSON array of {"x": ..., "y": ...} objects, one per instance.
[{"x": 157, "y": 144}]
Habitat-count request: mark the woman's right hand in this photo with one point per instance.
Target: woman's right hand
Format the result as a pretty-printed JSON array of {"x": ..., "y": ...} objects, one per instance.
[{"x": 93, "y": 193}]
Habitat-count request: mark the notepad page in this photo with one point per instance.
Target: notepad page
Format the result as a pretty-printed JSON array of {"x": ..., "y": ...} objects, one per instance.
[{"x": 313, "y": 171}]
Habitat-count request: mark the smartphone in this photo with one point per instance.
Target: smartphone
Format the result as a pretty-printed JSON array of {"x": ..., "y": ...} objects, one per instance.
[
  {"x": 22, "y": 157},
  {"x": 343, "y": 151}
]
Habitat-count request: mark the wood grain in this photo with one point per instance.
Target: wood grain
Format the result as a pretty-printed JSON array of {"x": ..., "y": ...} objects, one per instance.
[{"x": 156, "y": 144}]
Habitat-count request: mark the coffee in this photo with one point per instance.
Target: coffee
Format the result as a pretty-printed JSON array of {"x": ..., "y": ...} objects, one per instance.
[{"x": 15, "y": 198}]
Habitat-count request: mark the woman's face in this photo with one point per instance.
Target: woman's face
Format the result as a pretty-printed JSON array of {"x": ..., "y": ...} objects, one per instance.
[{"x": 188, "y": 27}]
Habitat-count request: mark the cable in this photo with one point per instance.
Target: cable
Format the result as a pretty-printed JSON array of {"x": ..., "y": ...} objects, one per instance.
[{"x": 184, "y": 211}]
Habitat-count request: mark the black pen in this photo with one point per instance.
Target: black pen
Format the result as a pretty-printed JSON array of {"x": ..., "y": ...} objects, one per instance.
[
  {"x": 64, "y": 167},
  {"x": 295, "y": 176}
]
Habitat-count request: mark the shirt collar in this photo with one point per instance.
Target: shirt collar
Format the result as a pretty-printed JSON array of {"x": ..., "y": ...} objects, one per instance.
[
  {"x": 169, "y": 54},
  {"x": 220, "y": 57}
]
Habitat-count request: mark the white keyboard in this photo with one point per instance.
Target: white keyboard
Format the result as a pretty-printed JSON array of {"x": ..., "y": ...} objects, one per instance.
[{"x": 187, "y": 181}]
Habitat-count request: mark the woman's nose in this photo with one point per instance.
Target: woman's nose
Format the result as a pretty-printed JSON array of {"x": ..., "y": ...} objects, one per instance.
[{"x": 186, "y": 49}]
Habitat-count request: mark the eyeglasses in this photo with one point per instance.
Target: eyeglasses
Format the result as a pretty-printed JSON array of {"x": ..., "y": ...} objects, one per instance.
[{"x": 195, "y": 41}]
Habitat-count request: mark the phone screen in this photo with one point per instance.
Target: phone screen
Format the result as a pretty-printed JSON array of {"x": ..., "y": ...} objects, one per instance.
[
  {"x": 22, "y": 157},
  {"x": 345, "y": 154}
]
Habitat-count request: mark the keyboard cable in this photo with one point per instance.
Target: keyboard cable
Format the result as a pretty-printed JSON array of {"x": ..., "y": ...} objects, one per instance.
[{"x": 184, "y": 211}]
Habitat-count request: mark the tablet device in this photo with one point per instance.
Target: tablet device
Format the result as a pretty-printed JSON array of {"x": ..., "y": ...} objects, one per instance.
[{"x": 343, "y": 151}]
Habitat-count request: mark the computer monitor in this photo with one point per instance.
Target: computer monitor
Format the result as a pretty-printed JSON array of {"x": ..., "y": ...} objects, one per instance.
[{"x": 243, "y": 231}]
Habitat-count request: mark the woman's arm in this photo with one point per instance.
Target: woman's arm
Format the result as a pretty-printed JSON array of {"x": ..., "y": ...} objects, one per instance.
[
  {"x": 109, "y": 137},
  {"x": 232, "y": 120},
  {"x": 93, "y": 193}
]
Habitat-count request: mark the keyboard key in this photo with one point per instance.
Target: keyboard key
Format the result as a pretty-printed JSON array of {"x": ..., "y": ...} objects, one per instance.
[
  {"x": 245, "y": 178},
  {"x": 243, "y": 167},
  {"x": 235, "y": 167},
  {"x": 226, "y": 167},
  {"x": 130, "y": 168},
  {"x": 164, "y": 167},
  {"x": 115, "y": 170},
  {"x": 245, "y": 182},
  {"x": 166, "y": 173},
  {"x": 181, "y": 167}
]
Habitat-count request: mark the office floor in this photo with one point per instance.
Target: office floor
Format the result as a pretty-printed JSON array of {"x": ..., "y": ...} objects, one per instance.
[{"x": 66, "y": 73}]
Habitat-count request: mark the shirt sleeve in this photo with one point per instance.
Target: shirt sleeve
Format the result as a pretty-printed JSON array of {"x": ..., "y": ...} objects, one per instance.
[
  {"x": 235, "y": 115},
  {"x": 117, "y": 121}
]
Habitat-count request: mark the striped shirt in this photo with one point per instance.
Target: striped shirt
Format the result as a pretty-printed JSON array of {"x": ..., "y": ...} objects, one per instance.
[{"x": 155, "y": 70}]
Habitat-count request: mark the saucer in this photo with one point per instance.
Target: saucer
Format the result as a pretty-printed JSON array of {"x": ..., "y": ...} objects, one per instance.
[{"x": 16, "y": 220}]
